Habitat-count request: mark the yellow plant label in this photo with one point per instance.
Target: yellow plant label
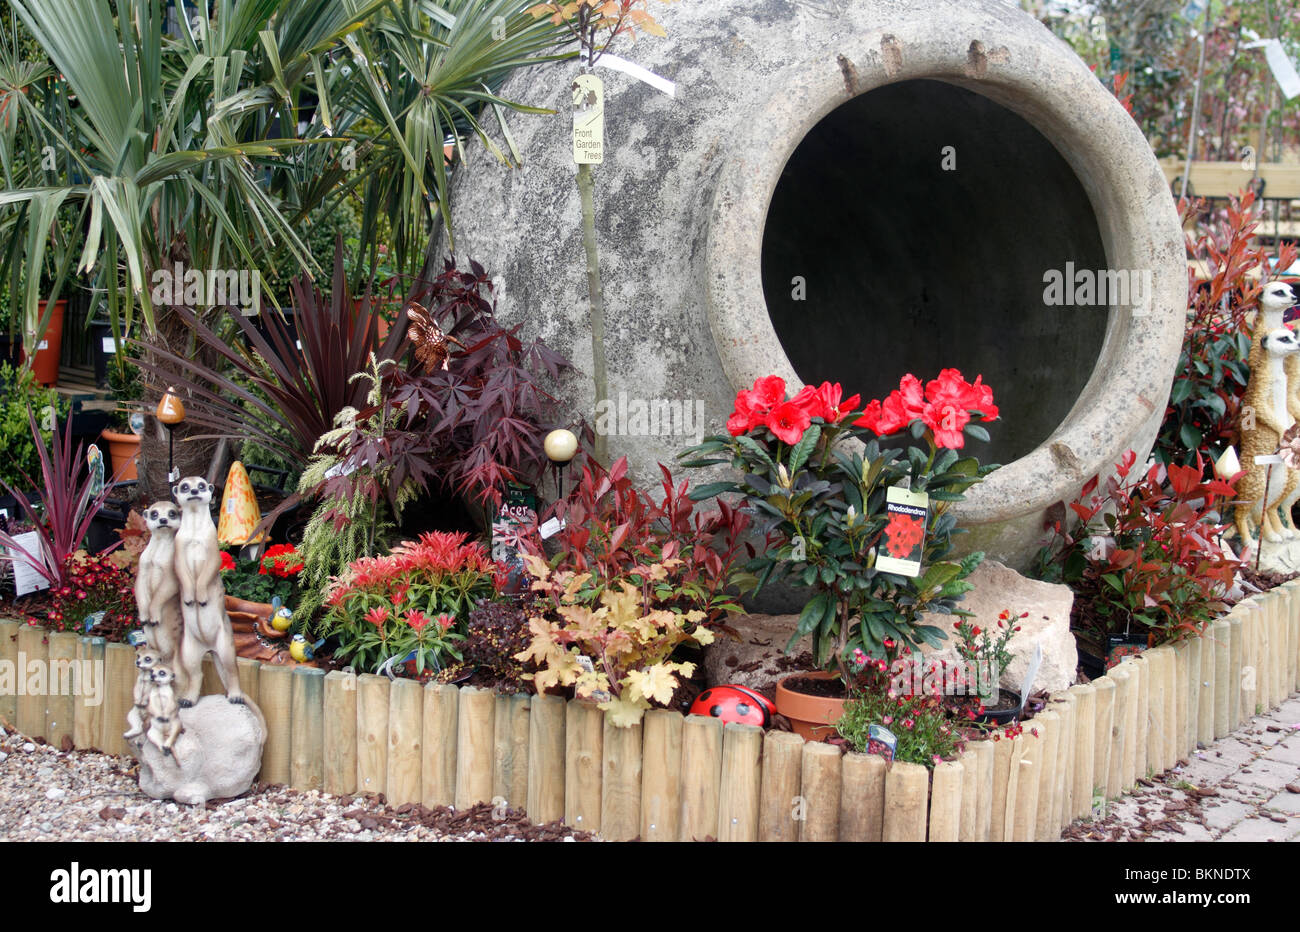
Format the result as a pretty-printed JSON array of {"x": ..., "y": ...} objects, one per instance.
[{"x": 588, "y": 120}]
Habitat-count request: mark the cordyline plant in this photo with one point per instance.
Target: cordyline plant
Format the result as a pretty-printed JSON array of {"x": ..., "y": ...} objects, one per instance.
[
  {"x": 820, "y": 499},
  {"x": 612, "y": 533},
  {"x": 615, "y": 651},
  {"x": 67, "y": 505},
  {"x": 1145, "y": 552},
  {"x": 1202, "y": 417},
  {"x": 409, "y": 604}
]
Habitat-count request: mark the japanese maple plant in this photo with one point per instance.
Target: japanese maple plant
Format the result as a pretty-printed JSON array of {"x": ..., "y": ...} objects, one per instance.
[{"x": 815, "y": 477}]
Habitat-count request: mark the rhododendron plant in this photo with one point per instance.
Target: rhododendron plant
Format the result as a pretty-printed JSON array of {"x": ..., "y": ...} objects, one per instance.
[{"x": 815, "y": 479}]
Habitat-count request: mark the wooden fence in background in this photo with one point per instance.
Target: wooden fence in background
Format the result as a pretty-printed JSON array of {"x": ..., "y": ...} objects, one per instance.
[{"x": 683, "y": 778}]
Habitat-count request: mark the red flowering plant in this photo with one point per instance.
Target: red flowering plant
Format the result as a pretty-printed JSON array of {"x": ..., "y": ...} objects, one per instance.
[
  {"x": 273, "y": 575},
  {"x": 985, "y": 650},
  {"x": 815, "y": 478},
  {"x": 1143, "y": 556},
  {"x": 410, "y": 605},
  {"x": 97, "y": 597}
]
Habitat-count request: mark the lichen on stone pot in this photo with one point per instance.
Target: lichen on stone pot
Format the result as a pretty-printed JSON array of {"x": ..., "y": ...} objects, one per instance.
[
  {"x": 812, "y": 716},
  {"x": 795, "y": 210}
]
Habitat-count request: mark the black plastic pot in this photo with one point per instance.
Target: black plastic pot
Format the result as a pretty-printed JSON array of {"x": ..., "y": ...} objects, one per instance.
[
  {"x": 11, "y": 347},
  {"x": 1003, "y": 717}
]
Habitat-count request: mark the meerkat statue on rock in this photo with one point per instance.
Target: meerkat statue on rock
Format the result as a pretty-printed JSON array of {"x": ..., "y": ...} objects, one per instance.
[
  {"x": 164, "y": 712},
  {"x": 203, "y": 606},
  {"x": 1266, "y": 397},
  {"x": 157, "y": 590},
  {"x": 138, "y": 716}
]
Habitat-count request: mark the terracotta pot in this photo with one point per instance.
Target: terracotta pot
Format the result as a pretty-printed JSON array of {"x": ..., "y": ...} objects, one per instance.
[
  {"x": 812, "y": 717},
  {"x": 123, "y": 449},
  {"x": 45, "y": 361}
]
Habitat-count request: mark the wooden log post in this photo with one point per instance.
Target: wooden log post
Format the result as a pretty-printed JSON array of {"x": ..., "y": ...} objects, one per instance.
[
  {"x": 906, "y": 788},
  {"x": 1160, "y": 666},
  {"x": 510, "y": 751},
  {"x": 546, "y": 776},
  {"x": 862, "y": 797},
  {"x": 701, "y": 776},
  {"x": 65, "y": 682},
  {"x": 584, "y": 738},
  {"x": 620, "y": 782},
  {"x": 1250, "y": 675},
  {"x": 372, "y": 733},
  {"x": 1193, "y": 692},
  {"x": 1018, "y": 745},
  {"x": 1221, "y": 637},
  {"x": 249, "y": 672},
  {"x": 742, "y": 747},
  {"x": 1267, "y": 650},
  {"x": 275, "y": 683},
  {"x": 475, "y": 730},
  {"x": 339, "y": 733},
  {"x": 119, "y": 692},
  {"x": 1003, "y": 752},
  {"x": 661, "y": 765},
  {"x": 440, "y": 730},
  {"x": 9, "y": 660},
  {"x": 969, "y": 795},
  {"x": 984, "y": 790},
  {"x": 778, "y": 795},
  {"x": 1048, "y": 724},
  {"x": 945, "y": 802},
  {"x": 1064, "y": 706},
  {"x": 1236, "y": 665},
  {"x": 1205, "y": 699},
  {"x": 405, "y": 742},
  {"x": 1104, "y": 739},
  {"x": 1024, "y": 818},
  {"x": 1140, "y": 720},
  {"x": 1085, "y": 736},
  {"x": 88, "y": 712},
  {"x": 307, "y": 738},
  {"x": 32, "y": 685},
  {"x": 1293, "y": 635},
  {"x": 1121, "y": 676},
  {"x": 821, "y": 788}
]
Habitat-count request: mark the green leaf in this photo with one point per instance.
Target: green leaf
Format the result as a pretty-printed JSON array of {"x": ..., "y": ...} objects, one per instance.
[
  {"x": 804, "y": 448},
  {"x": 977, "y": 432},
  {"x": 710, "y": 490}
]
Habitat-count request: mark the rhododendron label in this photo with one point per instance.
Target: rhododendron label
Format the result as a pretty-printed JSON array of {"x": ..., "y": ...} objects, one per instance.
[{"x": 901, "y": 545}]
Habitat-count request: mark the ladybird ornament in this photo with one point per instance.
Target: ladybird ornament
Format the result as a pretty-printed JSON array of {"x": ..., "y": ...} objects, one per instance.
[{"x": 733, "y": 703}]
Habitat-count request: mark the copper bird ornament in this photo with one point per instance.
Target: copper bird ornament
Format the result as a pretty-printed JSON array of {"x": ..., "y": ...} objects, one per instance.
[{"x": 431, "y": 349}]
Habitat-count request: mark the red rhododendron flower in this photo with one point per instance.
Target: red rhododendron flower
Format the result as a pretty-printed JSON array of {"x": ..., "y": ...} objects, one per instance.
[
  {"x": 870, "y": 418},
  {"x": 227, "y": 561},
  {"x": 827, "y": 402},
  {"x": 754, "y": 405},
  {"x": 281, "y": 560},
  {"x": 788, "y": 421}
]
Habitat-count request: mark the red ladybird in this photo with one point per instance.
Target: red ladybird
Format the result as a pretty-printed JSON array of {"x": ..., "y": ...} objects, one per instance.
[{"x": 733, "y": 703}]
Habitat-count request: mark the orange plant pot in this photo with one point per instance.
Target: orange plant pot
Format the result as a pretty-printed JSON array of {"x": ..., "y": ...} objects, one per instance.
[
  {"x": 45, "y": 361},
  {"x": 812, "y": 717},
  {"x": 124, "y": 450}
]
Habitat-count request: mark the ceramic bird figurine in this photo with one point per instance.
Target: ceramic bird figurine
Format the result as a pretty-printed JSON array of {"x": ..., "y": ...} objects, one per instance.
[
  {"x": 282, "y": 615},
  {"x": 429, "y": 340},
  {"x": 302, "y": 651}
]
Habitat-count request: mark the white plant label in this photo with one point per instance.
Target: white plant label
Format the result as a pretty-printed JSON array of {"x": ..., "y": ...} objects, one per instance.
[
  {"x": 26, "y": 579},
  {"x": 1030, "y": 673},
  {"x": 588, "y": 120},
  {"x": 109, "y": 345}
]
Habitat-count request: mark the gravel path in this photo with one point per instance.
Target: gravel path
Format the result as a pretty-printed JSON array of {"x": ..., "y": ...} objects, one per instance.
[
  {"x": 1244, "y": 787},
  {"x": 52, "y": 795}
]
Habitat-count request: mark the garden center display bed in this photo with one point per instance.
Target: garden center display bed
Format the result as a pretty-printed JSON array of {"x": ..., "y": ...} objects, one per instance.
[{"x": 683, "y": 778}]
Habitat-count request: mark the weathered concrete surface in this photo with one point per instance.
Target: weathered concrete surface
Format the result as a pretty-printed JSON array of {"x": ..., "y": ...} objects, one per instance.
[{"x": 683, "y": 198}]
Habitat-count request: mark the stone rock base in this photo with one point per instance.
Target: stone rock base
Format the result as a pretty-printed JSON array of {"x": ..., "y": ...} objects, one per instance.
[
  {"x": 758, "y": 659},
  {"x": 216, "y": 756}
]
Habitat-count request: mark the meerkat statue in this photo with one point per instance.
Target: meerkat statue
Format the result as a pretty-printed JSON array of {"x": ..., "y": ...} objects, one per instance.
[
  {"x": 206, "y": 626},
  {"x": 164, "y": 711},
  {"x": 1273, "y": 303},
  {"x": 1266, "y": 396},
  {"x": 138, "y": 717},
  {"x": 157, "y": 590}
]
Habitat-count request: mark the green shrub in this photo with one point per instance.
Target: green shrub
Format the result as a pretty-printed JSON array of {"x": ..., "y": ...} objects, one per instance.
[{"x": 18, "y": 389}]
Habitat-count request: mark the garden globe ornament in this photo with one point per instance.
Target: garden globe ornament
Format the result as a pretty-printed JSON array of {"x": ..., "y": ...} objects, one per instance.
[
  {"x": 561, "y": 446},
  {"x": 170, "y": 412}
]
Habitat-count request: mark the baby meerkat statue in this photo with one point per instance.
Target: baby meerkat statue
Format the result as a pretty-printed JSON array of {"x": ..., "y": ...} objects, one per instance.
[
  {"x": 164, "y": 712},
  {"x": 1266, "y": 397},
  {"x": 203, "y": 604},
  {"x": 138, "y": 717},
  {"x": 157, "y": 590}
]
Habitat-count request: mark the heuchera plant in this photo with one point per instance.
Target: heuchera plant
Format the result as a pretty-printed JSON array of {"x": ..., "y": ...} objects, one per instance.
[
  {"x": 1145, "y": 551},
  {"x": 820, "y": 499},
  {"x": 626, "y": 637},
  {"x": 612, "y": 532},
  {"x": 412, "y": 601}
]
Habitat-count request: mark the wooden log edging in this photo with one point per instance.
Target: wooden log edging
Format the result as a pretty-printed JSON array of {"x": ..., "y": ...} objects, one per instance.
[{"x": 678, "y": 777}]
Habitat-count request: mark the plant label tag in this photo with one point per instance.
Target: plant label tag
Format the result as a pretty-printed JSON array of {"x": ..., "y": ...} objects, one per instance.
[
  {"x": 904, "y": 538},
  {"x": 588, "y": 120},
  {"x": 550, "y": 528},
  {"x": 109, "y": 346},
  {"x": 26, "y": 579},
  {"x": 43, "y": 345},
  {"x": 174, "y": 475},
  {"x": 599, "y": 695},
  {"x": 95, "y": 463},
  {"x": 1272, "y": 459},
  {"x": 880, "y": 740}
]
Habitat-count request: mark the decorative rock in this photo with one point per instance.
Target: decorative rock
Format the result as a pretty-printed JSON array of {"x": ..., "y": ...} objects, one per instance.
[
  {"x": 758, "y": 659},
  {"x": 1282, "y": 557},
  {"x": 29, "y": 747},
  {"x": 218, "y": 753},
  {"x": 998, "y": 588},
  {"x": 55, "y": 792}
]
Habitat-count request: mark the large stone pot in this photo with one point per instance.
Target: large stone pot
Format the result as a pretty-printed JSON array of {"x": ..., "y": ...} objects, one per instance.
[{"x": 851, "y": 191}]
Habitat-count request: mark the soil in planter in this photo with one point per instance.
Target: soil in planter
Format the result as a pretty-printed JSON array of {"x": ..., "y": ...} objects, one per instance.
[
  {"x": 825, "y": 689},
  {"x": 1265, "y": 581}
]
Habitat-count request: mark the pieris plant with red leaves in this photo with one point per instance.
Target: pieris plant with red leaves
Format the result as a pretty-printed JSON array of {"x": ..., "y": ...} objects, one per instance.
[{"x": 814, "y": 478}]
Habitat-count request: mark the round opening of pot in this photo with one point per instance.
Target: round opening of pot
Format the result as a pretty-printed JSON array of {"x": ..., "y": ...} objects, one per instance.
[{"x": 920, "y": 226}]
